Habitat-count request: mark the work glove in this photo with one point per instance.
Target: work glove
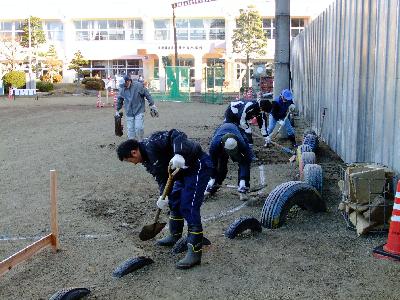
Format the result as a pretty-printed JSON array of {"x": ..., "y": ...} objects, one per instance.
[
  {"x": 117, "y": 113},
  {"x": 162, "y": 203},
  {"x": 267, "y": 141},
  {"x": 292, "y": 107},
  {"x": 154, "y": 111},
  {"x": 281, "y": 122},
  {"x": 177, "y": 162},
  {"x": 210, "y": 184},
  {"x": 242, "y": 186}
]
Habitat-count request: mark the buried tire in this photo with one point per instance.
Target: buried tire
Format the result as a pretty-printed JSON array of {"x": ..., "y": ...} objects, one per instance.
[
  {"x": 312, "y": 140},
  {"x": 302, "y": 148},
  {"x": 312, "y": 174},
  {"x": 306, "y": 158},
  {"x": 131, "y": 265},
  {"x": 242, "y": 224},
  {"x": 284, "y": 197},
  {"x": 70, "y": 294}
]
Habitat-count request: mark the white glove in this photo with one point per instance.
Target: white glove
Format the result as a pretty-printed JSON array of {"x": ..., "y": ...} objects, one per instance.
[
  {"x": 267, "y": 140},
  {"x": 162, "y": 203},
  {"x": 242, "y": 186},
  {"x": 153, "y": 111},
  {"x": 292, "y": 107},
  {"x": 210, "y": 183},
  {"x": 281, "y": 122},
  {"x": 117, "y": 113},
  {"x": 177, "y": 162}
]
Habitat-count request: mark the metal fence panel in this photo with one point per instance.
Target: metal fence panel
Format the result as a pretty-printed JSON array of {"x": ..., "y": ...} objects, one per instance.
[{"x": 348, "y": 60}]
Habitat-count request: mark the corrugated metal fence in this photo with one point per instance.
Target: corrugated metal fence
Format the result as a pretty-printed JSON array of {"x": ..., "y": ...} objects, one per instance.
[{"x": 348, "y": 60}]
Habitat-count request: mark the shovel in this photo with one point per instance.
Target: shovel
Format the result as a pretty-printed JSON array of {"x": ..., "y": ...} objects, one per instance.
[{"x": 150, "y": 231}]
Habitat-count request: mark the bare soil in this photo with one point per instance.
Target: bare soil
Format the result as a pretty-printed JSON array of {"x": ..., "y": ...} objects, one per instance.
[{"x": 103, "y": 204}]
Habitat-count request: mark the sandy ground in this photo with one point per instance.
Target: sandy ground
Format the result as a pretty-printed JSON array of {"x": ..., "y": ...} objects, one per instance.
[{"x": 103, "y": 204}]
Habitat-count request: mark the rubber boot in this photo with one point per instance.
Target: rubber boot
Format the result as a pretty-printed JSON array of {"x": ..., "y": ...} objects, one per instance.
[
  {"x": 194, "y": 248},
  {"x": 176, "y": 224},
  {"x": 292, "y": 139}
]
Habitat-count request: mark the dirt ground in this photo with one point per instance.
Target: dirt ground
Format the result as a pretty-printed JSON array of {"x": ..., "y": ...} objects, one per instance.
[{"x": 103, "y": 204}]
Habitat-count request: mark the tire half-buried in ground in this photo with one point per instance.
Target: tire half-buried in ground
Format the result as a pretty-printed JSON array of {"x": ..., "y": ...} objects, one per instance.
[
  {"x": 242, "y": 224},
  {"x": 312, "y": 174},
  {"x": 70, "y": 294},
  {"x": 131, "y": 265},
  {"x": 284, "y": 197}
]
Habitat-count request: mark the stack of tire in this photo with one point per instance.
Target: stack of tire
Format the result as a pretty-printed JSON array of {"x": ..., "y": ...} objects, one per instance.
[
  {"x": 310, "y": 172},
  {"x": 306, "y": 193}
]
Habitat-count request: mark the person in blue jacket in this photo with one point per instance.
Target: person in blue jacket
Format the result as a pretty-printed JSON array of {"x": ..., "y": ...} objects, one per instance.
[
  {"x": 242, "y": 111},
  {"x": 172, "y": 149},
  {"x": 227, "y": 142},
  {"x": 281, "y": 106},
  {"x": 131, "y": 95}
]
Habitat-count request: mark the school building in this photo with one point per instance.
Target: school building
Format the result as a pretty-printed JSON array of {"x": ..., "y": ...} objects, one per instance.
[{"x": 136, "y": 37}]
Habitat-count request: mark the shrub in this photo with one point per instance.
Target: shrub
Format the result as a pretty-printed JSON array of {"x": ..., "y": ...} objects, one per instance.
[
  {"x": 93, "y": 83},
  {"x": 57, "y": 78},
  {"x": 15, "y": 79},
  {"x": 44, "y": 86}
]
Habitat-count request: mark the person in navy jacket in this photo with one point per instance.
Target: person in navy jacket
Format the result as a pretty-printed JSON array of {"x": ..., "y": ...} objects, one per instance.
[
  {"x": 227, "y": 142},
  {"x": 172, "y": 149}
]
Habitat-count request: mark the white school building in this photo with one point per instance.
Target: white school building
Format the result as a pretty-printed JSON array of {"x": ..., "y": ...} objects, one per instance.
[{"x": 136, "y": 37}]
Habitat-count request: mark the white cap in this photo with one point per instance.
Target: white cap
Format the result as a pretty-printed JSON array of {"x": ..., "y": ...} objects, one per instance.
[{"x": 230, "y": 144}]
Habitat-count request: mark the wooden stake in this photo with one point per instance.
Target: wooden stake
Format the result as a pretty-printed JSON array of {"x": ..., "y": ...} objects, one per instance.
[{"x": 53, "y": 210}]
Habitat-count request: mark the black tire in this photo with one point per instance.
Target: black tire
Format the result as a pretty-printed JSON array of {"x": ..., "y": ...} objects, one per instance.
[
  {"x": 311, "y": 140},
  {"x": 312, "y": 174},
  {"x": 284, "y": 197},
  {"x": 242, "y": 224},
  {"x": 309, "y": 131},
  {"x": 131, "y": 265},
  {"x": 70, "y": 294},
  {"x": 302, "y": 148},
  {"x": 181, "y": 245},
  {"x": 306, "y": 158}
]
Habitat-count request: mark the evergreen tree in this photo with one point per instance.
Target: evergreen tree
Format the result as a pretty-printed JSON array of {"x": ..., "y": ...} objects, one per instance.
[
  {"x": 248, "y": 37},
  {"x": 77, "y": 63}
]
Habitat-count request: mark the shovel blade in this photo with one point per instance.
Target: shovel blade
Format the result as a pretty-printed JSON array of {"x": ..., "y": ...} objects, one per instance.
[{"x": 150, "y": 231}]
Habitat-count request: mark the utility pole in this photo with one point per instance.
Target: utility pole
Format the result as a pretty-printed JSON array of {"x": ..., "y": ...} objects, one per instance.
[
  {"x": 175, "y": 38},
  {"x": 282, "y": 46},
  {"x": 29, "y": 45}
]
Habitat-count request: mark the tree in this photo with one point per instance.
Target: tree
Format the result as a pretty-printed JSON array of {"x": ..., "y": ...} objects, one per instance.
[
  {"x": 10, "y": 54},
  {"x": 248, "y": 37},
  {"x": 52, "y": 63},
  {"x": 33, "y": 36},
  {"x": 77, "y": 63}
]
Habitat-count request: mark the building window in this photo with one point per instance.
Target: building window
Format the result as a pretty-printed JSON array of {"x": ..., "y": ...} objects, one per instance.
[
  {"x": 296, "y": 26},
  {"x": 215, "y": 72},
  {"x": 162, "y": 29},
  {"x": 54, "y": 31},
  {"x": 190, "y": 29},
  {"x": 156, "y": 69},
  {"x": 105, "y": 68},
  {"x": 135, "y": 29},
  {"x": 217, "y": 29},
  {"x": 188, "y": 62},
  {"x": 89, "y": 30},
  {"x": 269, "y": 28},
  {"x": 11, "y": 30}
]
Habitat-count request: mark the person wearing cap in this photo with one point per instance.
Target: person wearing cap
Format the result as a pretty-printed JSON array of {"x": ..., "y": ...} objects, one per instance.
[
  {"x": 227, "y": 142},
  {"x": 173, "y": 149},
  {"x": 281, "y": 106},
  {"x": 131, "y": 96},
  {"x": 241, "y": 112}
]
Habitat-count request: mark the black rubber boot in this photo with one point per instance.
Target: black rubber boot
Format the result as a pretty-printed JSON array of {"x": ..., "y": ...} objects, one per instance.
[
  {"x": 176, "y": 224},
  {"x": 194, "y": 248},
  {"x": 292, "y": 139}
]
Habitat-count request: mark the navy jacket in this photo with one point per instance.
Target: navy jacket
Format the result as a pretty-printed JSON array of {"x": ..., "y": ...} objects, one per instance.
[
  {"x": 158, "y": 149},
  {"x": 280, "y": 108}
]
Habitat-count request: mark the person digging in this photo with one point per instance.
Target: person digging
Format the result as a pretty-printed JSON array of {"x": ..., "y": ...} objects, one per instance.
[{"x": 172, "y": 149}]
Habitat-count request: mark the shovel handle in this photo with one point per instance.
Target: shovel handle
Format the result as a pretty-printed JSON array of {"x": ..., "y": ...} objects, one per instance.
[{"x": 167, "y": 189}]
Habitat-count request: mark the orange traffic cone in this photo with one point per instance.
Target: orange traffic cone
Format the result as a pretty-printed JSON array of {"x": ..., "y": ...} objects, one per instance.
[{"x": 391, "y": 250}]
